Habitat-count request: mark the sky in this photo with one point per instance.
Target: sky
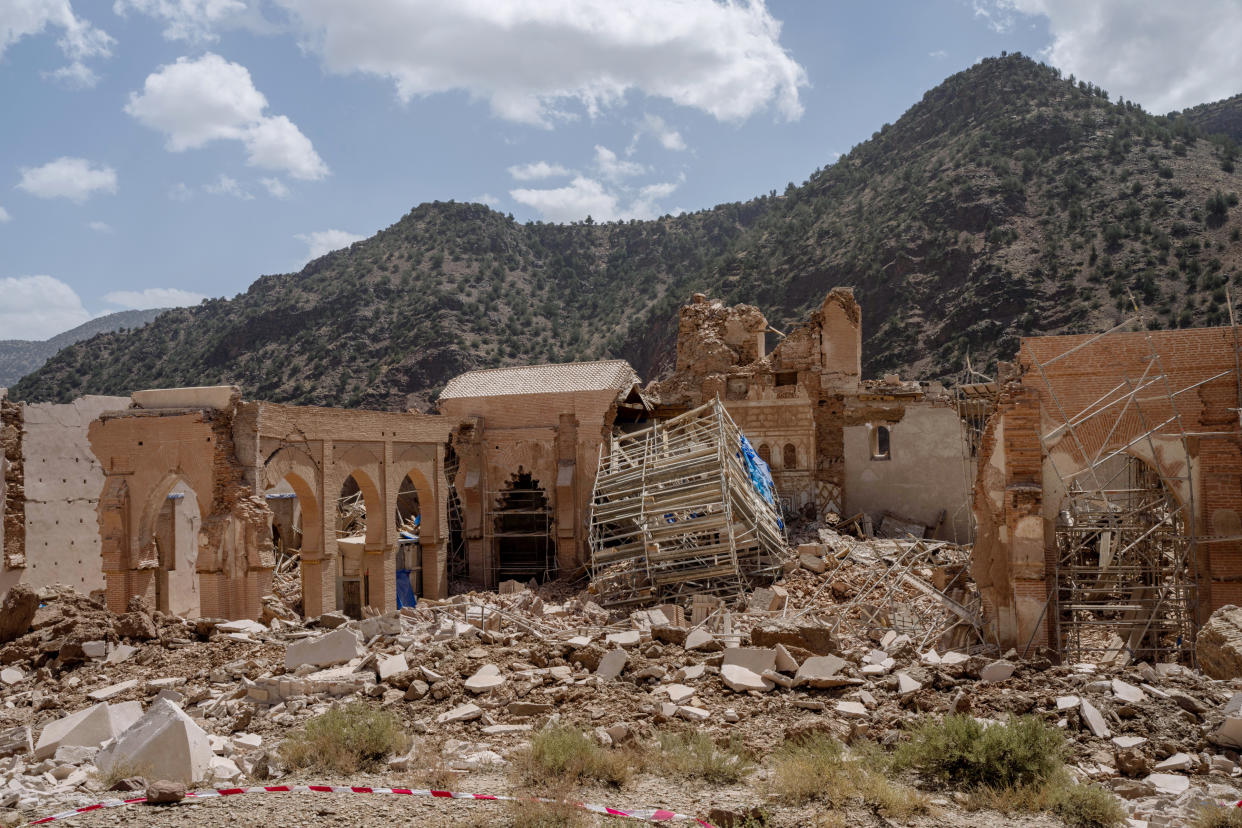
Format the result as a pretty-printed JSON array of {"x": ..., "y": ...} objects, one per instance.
[{"x": 157, "y": 152}]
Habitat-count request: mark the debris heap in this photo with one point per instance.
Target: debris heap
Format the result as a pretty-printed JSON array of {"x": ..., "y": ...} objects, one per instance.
[{"x": 683, "y": 507}]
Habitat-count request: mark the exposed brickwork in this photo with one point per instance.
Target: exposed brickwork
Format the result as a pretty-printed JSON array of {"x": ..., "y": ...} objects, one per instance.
[{"x": 14, "y": 485}]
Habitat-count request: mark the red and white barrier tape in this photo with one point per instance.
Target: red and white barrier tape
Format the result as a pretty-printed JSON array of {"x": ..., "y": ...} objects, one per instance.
[{"x": 648, "y": 814}]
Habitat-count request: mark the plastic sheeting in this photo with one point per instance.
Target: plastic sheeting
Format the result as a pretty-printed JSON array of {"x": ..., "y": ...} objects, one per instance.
[
  {"x": 405, "y": 590},
  {"x": 760, "y": 474}
]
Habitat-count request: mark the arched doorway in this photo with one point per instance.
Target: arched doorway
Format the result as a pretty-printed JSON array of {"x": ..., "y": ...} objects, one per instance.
[
  {"x": 1125, "y": 574},
  {"x": 521, "y": 530},
  {"x": 175, "y": 532},
  {"x": 291, "y": 480},
  {"x": 409, "y": 563}
]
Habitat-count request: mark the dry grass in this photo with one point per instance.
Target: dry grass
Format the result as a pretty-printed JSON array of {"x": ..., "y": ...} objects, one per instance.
[
  {"x": 346, "y": 740},
  {"x": 1089, "y": 806},
  {"x": 693, "y": 754},
  {"x": 563, "y": 753},
  {"x": 1217, "y": 816},
  {"x": 125, "y": 770},
  {"x": 816, "y": 769}
]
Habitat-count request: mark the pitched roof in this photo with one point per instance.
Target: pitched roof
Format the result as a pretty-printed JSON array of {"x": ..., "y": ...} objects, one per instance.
[{"x": 606, "y": 375}]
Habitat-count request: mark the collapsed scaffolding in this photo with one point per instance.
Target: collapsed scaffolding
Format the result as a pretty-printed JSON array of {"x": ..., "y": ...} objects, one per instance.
[
  {"x": 684, "y": 507},
  {"x": 1124, "y": 578}
]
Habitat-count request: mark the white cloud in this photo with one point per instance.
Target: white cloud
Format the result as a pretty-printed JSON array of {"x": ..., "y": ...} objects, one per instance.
[
  {"x": 275, "y": 187},
  {"x": 613, "y": 168},
  {"x": 100, "y": 226},
  {"x": 488, "y": 199},
  {"x": 4, "y": 216},
  {"x": 38, "y": 307},
  {"x": 153, "y": 298},
  {"x": 76, "y": 75},
  {"x": 584, "y": 197},
  {"x": 1163, "y": 55},
  {"x": 187, "y": 19},
  {"x": 938, "y": 54},
  {"x": 668, "y": 137},
  {"x": 208, "y": 99},
  {"x": 226, "y": 185},
  {"x": 180, "y": 192},
  {"x": 529, "y": 59},
  {"x": 79, "y": 40},
  {"x": 325, "y": 241},
  {"x": 536, "y": 170},
  {"x": 73, "y": 178}
]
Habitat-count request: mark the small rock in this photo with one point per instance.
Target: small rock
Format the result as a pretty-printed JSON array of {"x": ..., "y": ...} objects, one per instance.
[{"x": 165, "y": 792}]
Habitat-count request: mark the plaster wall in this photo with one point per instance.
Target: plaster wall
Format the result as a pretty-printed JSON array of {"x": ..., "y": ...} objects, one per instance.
[
  {"x": 928, "y": 471},
  {"x": 63, "y": 481}
]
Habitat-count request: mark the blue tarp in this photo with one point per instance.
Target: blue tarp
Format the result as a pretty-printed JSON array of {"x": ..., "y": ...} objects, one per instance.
[
  {"x": 760, "y": 474},
  {"x": 405, "y": 590}
]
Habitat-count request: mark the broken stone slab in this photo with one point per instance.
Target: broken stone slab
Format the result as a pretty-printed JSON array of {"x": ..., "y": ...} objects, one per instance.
[
  {"x": 1128, "y": 693},
  {"x": 1094, "y": 720},
  {"x": 785, "y": 662},
  {"x": 112, "y": 690},
  {"x": 389, "y": 666},
  {"x": 504, "y": 729},
  {"x": 627, "y": 639},
  {"x": 1187, "y": 702},
  {"x": 1229, "y": 734},
  {"x": 700, "y": 639},
  {"x": 678, "y": 693},
  {"x": 121, "y": 652},
  {"x": 242, "y": 625},
  {"x": 822, "y": 672},
  {"x": 1176, "y": 762},
  {"x": 95, "y": 649},
  {"x": 813, "y": 563},
  {"x": 740, "y": 679},
  {"x": 907, "y": 685},
  {"x": 852, "y": 709},
  {"x": 691, "y": 672},
  {"x": 1067, "y": 702},
  {"x": 11, "y": 675},
  {"x": 693, "y": 714},
  {"x": 16, "y": 741},
  {"x": 89, "y": 728},
  {"x": 337, "y": 647},
  {"x": 611, "y": 665},
  {"x": 1126, "y": 742},
  {"x": 461, "y": 713},
  {"x": 875, "y": 657},
  {"x": 997, "y": 671},
  {"x": 164, "y": 739},
  {"x": 526, "y": 708},
  {"x": 1168, "y": 783},
  {"x": 486, "y": 679},
  {"x": 754, "y": 659}
]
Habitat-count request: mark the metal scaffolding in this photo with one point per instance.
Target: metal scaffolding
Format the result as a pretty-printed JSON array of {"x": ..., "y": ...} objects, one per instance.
[
  {"x": 1124, "y": 575},
  {"x": 679, "y": 509}
]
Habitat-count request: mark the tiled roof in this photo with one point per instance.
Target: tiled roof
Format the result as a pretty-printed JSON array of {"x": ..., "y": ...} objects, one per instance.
[{"x": 613, "y": 374}]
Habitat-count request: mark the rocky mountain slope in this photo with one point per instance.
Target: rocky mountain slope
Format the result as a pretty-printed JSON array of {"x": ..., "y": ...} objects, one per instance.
[
  {"x": 18, "y": 357},
  {"x": 1010, "y": 200}
]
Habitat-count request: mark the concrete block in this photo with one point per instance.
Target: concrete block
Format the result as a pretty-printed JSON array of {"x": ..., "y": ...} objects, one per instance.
[
  {"x": 203, "y": 396},
  {"x": 10, "y": 676},
  {"x": 1127, "y": 742},
  {"x": 242, "y": 625},
  {"x": 336, "y": 647},
  {"x": 95, "y": 649},
  {"x": 88, "y": 728},
  {"x": 611, "y": 665},
  {"x": 1229, "y": 734},
  {"x": 1168, "y": 783},
  {"x": 678, "y": 693},
  {"x": 166, "y": 740},
  {"x": 852, "y": 709},
  {"x": 486, "y": 679},
  {"x": 121, "y": 652},
  {"x": 812, "y": 563},
  {"x": 1176, "y": 762},
  {"x": 1067, "y": 702},
  {"x": 907, "y": 685},
  {"x": 1128, "y": 692},
  {"x": 694, "y": 714}
]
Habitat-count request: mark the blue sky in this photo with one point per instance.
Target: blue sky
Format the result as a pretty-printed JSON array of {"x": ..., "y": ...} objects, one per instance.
[{"x": 157, "y": 151}]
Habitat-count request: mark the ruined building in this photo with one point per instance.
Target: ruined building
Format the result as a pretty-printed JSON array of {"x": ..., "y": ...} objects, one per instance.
[
  {"x": 835, "y": 442},
  {"x": 1109, "y": 493}
]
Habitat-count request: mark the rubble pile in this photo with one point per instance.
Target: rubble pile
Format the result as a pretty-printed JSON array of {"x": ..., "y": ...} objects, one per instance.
[{"x": 92, "y": 698}]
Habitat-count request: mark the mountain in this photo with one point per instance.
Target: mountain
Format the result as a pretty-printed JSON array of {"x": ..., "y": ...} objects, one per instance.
[
  {"x": 1008, "y": 201},
  {"x": 1218, "y": 118},
  {"x": 18, "y": 357}
]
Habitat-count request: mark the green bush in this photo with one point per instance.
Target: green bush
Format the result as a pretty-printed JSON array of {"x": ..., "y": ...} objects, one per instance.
[
  {"x": 346, "y": 739},
  {"x": 564, "y": 753},
  {"x": 694, "y": 754},
  {"x": 960, "y": 750},
  {"x": 1217, "y": 816},
  {"x": 1088, "y": 806}
]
